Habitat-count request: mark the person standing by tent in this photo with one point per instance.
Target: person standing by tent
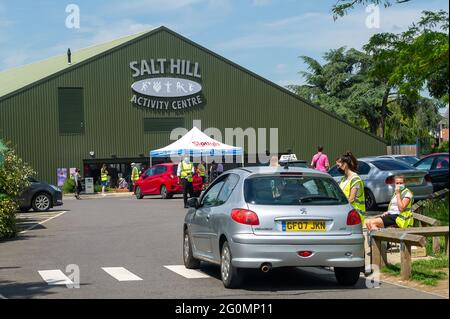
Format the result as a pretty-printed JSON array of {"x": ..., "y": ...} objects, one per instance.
[
  {"x": 201, "y": 170},
  {"x": 134, "y": 175},
  {"x": 104, "y": 178},
  {"x": 320, "y": 160},
  {"x": 219, "y": 169},
  {"x": 212, "y": 171},
  {"x": 185, "y": 171}
]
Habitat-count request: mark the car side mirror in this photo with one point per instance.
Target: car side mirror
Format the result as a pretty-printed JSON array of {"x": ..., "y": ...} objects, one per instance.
[{"x": 193, "y": 202}]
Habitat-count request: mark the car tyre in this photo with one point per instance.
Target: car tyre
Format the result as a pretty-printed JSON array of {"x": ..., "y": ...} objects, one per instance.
[
  {"x": 231, "y": 276},
  {"x": 347, "y": 276},
  {"x": 371, "y": 203},
  {"x": 41, "y": 202},
  {"x": 189, "y": 261},
  {"x": 164, "y": 192},
  {"x": 138, "y": 193}
]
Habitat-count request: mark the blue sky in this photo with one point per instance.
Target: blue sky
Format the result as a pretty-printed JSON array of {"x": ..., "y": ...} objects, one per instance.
[{"x": 265, "y": 36}]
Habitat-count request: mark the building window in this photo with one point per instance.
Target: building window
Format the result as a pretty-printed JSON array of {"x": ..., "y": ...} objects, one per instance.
[
  {"x": 71, "y": 110},
  {"x": 162, "y": 124}
]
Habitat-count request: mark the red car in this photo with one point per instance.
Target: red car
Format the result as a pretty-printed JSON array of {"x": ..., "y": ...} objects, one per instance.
[{"x": 161, "y": 179}]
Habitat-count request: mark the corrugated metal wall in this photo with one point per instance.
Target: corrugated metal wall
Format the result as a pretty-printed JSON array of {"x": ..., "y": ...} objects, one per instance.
[{"x": 114, "y": 126}]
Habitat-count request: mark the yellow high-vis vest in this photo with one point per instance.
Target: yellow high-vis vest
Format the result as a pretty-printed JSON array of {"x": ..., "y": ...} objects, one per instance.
[
  {"x": 405, "y": 218},
  {"x": 134, "y": 174},
  {"x": 104, "y": 175},
  {"x": 201, "y": 170},
  {"x": 186, "y": 171},
  {"x": 359, "y": 203}
]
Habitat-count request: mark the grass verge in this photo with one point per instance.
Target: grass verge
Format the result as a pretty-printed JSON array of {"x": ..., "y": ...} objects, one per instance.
[{"x": 425, "y": 271}]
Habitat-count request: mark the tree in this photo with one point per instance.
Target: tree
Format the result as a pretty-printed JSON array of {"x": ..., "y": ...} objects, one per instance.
[
  {"x": 342, "y": 7},
  {"x": 343, "y": 86},
  {"x": 415, "y": 59}
]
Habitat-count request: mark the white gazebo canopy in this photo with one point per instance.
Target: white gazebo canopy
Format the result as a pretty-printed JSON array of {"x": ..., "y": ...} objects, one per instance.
[{"x": 196, "y": 143}]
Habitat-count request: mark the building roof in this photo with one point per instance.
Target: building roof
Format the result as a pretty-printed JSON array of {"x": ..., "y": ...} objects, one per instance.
[{"x": 17, "y": 78}]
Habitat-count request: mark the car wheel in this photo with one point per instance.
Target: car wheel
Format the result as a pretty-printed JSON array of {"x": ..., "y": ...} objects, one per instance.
[
  {"x": 230, "y": 275},
  {"x": 25, "y": 209},
  {"x": 164, "y": 192},
  {"x": 189, "y": 261},
  {"x": 347, "y": 276},
  {"x": 41, "y": 202},
  {"x": 138, "y": 192},
  {"x": 371, "y": 203}
]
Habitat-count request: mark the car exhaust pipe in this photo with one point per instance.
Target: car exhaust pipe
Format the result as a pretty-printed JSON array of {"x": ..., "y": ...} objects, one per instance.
[{"x": 266, "y": 267}]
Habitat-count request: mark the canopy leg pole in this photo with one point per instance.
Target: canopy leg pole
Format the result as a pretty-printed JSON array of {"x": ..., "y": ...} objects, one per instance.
[
  {"x": 242, "y": 159},
  {"x": 150, "y": 161}
]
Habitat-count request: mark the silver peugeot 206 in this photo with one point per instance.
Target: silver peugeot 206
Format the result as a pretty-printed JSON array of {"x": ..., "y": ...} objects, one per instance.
[{"x": 266, "y": 217}]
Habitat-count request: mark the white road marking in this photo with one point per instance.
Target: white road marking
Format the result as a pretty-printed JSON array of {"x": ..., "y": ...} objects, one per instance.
[
  {"x": 41, "y": 223},
  {"x": 187, "y": 273},
  {"x": 55, "y": 277},
  {"x": 121, "y": 274}
]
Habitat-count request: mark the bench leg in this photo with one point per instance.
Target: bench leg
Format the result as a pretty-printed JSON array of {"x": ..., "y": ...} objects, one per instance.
[
  {"x": 377, "y": 253},
  {"x": 446, "y": 245},
  {"x": 436, "y": 245},
  {"x": 405, "y": 257}
]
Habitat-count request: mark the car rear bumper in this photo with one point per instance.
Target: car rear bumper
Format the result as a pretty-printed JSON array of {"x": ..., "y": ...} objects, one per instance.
[{"x": 332, "y": 251}]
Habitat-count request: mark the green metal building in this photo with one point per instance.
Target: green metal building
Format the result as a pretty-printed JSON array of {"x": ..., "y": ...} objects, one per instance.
[{"x": 115, "y": 102}]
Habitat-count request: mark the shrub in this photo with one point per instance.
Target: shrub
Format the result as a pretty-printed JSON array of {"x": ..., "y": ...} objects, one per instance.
[
  {"x": 14, "y": 175},
  {"x": 68, "y": 186}
]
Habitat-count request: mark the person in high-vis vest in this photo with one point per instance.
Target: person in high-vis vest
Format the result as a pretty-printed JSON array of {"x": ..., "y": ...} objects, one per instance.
[
  {"x": 351, "y": 184},
  {"x": 201, "y": 171},
  {"x": 104, "y": 178},
  {"x": 134, "y": 174},
  {"x": 399, "y": 213},
  {"x": 185, "y": 172}
]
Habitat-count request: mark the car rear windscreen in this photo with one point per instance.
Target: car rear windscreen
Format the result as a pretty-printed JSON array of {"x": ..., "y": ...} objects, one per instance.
[
  {"x": 411, "y": 160},
  {"x": 293, "y": 190},
  {"x": 391, "y": 165}
]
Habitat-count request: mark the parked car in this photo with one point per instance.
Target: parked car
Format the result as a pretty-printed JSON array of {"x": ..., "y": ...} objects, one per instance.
[
  {"x": 161, "y": 179},
  {"x": 437, "y": 166},
  {"x": 261, "y": 218},
  {"x": 40, "y": 196},
  {"x": 378, "y": 176},
  {"x": 408, "y": 159}
]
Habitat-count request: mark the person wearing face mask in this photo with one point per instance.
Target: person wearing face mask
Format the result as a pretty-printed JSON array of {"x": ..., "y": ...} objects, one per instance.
[
  {"x": 399, "y": 213},
  {"x": 185, "y": 172},
  {"x": 351, "y": 184}
]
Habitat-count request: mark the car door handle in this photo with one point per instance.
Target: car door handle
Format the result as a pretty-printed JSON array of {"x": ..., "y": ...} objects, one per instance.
[{"x": 207, "y": 217}]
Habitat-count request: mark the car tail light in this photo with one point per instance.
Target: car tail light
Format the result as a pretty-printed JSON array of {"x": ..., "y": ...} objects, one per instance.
[
  {"x": 305, "y": 253},
  {"x": 390, "y": 180},
  {"x": 245, "y": 216},
  {"x": 428, "y": 178},
  {"x": 353, "y": 218}
]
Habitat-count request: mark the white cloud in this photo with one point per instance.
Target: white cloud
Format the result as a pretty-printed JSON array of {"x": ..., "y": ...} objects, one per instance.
[
  {"x": 142, "y": 6},
  {"x": 281, "y": 68},
  {"x": 318, "y": 31}
]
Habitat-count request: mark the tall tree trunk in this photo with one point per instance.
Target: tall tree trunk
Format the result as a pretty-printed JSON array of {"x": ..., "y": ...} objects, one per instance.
[{"x": 384, "y": 111}]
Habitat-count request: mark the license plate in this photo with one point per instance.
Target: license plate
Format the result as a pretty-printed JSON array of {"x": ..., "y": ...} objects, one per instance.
[
  {"x": 303, "y": 225},
  {"x": 413, "y": 181}
]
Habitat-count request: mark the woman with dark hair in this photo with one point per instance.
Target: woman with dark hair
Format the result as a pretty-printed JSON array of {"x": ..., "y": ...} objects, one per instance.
[{"x": 351, "y": 184}]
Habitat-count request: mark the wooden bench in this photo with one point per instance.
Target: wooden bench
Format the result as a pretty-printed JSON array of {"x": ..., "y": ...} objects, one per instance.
[{"x": 407, "y": 237}]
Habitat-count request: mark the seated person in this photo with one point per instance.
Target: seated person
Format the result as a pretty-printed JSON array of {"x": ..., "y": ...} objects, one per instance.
[{"x": 400, "y": 205}]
